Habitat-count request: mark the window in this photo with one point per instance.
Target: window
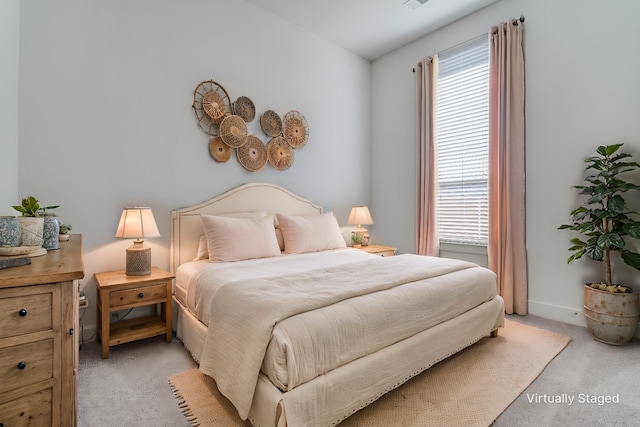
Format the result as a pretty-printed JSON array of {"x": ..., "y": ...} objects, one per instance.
[{"x": 462, "y": 141}]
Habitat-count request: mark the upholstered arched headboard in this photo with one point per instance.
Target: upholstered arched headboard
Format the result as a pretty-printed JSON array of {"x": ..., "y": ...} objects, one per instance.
[{"x": 186, "y": 226}]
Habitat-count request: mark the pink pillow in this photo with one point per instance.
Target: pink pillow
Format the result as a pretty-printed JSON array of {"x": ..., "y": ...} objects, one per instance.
[
  {"x": 310, "y": 233},
  {"x": 203, "y": 249},
  {"x": 237, "y": 239}
]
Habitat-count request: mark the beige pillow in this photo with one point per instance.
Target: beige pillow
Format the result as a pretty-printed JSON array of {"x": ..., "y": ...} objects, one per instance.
[
  {"x": 310, "y": 233},
  {"x": 203, "y": 249},
  {"x": 237, "y": 239}
]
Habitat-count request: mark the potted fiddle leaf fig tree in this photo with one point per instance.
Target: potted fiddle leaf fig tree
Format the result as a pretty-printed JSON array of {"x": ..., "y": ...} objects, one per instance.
[{"x": 607, "y": 228}]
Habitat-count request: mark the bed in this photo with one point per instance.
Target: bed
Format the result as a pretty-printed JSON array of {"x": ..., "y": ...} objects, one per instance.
[{"x": 297, "y": 328}]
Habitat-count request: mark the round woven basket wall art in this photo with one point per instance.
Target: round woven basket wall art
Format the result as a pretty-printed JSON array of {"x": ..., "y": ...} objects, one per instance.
[
  {"x": 271, "y": 123},
  {"x": 233, "y": 131},
  {"x": 244, "y": 108},
  {"x": 220, "y": 151},
  {"x": 211, "y": 104},
  {"x": 280, "y": 153},
  {"x": 295, "y": 129},
  {"x": 253, "y": 154}
]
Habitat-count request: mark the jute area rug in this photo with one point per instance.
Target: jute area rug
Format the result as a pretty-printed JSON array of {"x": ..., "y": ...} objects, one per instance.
[{"x": 471, "y": 388}]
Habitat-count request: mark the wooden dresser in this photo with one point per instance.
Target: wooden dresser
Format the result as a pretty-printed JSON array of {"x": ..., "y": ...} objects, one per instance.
[{"x": 39, "y": 339}]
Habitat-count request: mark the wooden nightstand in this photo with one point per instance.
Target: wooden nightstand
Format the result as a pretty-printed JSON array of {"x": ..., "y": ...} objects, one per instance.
[
  {"x": 117, "y": 291},
  {"x": 379, "y": 250}
]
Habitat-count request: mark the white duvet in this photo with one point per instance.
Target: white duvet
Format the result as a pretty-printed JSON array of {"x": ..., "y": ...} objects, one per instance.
[{"x": 301, "y": 316}]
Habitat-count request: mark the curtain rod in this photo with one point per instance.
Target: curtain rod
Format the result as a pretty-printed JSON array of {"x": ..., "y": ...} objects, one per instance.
[{"x": 513, "y": 21}]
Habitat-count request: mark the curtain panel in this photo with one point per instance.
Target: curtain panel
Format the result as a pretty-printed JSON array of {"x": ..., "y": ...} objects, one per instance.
[
  {"x": 506, "y": 245},
  {"x": 427, "y": 242}
]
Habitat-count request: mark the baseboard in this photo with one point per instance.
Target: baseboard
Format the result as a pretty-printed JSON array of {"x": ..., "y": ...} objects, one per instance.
[
  {"x": 88, "y": 333},
  {"x": 563, "y": 314}
]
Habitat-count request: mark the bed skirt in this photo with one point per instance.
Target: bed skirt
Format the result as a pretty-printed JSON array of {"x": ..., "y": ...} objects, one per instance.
[{"x": 370, "y": 377}]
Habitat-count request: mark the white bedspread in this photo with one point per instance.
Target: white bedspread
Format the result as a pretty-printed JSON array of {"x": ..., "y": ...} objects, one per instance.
[
  {"x": 360, "y": 306},
  {"x": 203, "y": 278}
]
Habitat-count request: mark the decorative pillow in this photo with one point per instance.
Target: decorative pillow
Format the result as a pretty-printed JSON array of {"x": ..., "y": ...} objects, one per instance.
[
  {"x": 310, "y": 233},
  {"x": 280, "y": 238},
  {"x": 237, "y": 239},
  {"x": 203, "y": 249}
]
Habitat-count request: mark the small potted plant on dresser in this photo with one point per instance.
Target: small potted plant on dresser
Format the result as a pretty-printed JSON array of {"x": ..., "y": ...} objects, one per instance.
[
  {"x": 39, "y": 228},
  {"x": 64, "y": 232},
  {"x": 607, "y": 225},
  {"x": 31, "y": 224}
]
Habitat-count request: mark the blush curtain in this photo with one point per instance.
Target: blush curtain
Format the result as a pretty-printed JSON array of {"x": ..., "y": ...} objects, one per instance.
[
  {"x": 506, "y": 246},
  {"x": 427, "y": 242}
]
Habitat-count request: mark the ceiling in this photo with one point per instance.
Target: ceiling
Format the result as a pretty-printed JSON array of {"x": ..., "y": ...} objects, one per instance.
[{"x": 370, "y": 28}]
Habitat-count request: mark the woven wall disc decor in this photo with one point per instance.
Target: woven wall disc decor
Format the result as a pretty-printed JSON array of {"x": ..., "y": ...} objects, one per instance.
[
  {"x": 295, "y": 129},
  {"x": 233, "y": 131},
  {"x": 220, "y": 151},
  {"x": 279, "y": 153},
  {"x": 244, "y": 108},
  {"x": 211, "y": 104},
  {"x": 253, "y": 154},
  {"x": 271, "y": 123}
]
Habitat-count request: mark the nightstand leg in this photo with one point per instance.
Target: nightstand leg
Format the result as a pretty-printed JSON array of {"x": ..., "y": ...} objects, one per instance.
[
  {"x": 165, "y": 313},
  {"x": 104, "y": 325}
]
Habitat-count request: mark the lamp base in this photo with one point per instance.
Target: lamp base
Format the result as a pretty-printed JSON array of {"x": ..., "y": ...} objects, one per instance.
[
  {"x": 138, "y": 259},
  {"x": 360, "y": 237}
]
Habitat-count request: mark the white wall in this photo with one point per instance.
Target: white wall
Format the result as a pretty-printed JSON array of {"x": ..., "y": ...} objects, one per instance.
[
  {"x": 582, "y": 91},
  {"x": 9, "y": 57},
  {"x": 106, "y": 120},
  {"x": 106, "y": 90}
]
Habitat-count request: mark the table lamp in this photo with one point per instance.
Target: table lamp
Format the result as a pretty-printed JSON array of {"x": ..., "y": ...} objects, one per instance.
[
  {"x": 360, "y": 215},
  {"x": 138, "y": 223}
]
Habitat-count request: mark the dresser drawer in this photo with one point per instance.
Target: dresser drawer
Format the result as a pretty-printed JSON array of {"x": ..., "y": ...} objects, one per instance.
[
  {"x": 140, "y": 295},
  {"x": 26, "y": 364},
  {"x": 32, "y": 410},
  {"x": 25, "y": 314}
]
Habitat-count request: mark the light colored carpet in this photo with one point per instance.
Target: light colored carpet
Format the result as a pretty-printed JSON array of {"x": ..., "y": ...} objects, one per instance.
[{"x": 471, "y": 388}]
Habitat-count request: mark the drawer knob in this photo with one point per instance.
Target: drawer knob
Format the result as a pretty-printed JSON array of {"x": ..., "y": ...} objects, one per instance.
[
  {"x": 22, "y": 365},
  {"x": 22, "y": 312},
  {"x": 141, "y": 295}
]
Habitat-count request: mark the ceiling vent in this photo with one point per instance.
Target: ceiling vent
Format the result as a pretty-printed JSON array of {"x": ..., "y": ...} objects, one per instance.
[{"x": 414, "y": 4}]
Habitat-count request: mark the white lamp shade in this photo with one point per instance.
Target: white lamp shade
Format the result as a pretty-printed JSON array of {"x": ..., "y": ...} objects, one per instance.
[
  {"x": 360, "y": 215},
  {"x": 136, "y": 223}
]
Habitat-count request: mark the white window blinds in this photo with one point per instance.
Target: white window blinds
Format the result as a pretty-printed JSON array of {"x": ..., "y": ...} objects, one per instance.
[{"x": 462, "y": 133}]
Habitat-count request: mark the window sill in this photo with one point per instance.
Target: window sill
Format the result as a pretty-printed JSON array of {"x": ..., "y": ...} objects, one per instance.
[{"x": 472, "y": 253}]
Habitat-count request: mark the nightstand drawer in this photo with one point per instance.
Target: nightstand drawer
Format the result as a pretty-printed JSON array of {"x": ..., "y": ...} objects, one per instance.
[
  {"x": 386, "y": 253},
  {"x": 32, "y": 410},
  {"x": 379, "y": 250},
  {"x": 141, "y": 295},
  {"x": 21, "y": 315},
  {"x": 26, "y": 364}
]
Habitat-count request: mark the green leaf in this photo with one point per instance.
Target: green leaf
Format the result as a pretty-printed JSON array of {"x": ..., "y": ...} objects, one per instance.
[
  {"x": 575, "y": 256},
  {"x": 631, "y": 258},
  {"x": 610, "y": 149},
  {"x": 594, "y": 251},
  {"x": 610, "y": 239},
  {"x": 632, "y": 229},
  {"x": 616, "y": 203}
]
